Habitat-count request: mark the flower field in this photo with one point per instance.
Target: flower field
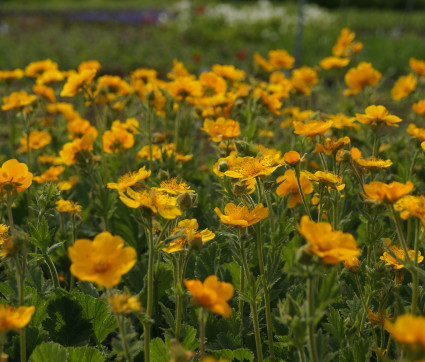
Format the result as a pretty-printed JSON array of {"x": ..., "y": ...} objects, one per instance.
[{"x": 272, "y": 215}]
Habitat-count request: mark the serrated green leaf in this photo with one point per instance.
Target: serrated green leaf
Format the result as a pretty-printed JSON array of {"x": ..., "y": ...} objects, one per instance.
[
  {"x": 6, "y": 290},
  {"x": 84, "y": 354},
  {"x": 88, "y": 288},
  {"x": 97, "y": 312},
  {"x": 49, "y": 352},
  {"x": 168, "y": 316},
  {"x": 243, "y": 354},
  {"x": 159, "y": 351},
  {"x": 188, "y": 333},
  {"x": 40, "y": 303}
]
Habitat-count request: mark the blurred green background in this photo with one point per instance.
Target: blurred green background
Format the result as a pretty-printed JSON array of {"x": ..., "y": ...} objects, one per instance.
[{"x": 129, "y": 34}]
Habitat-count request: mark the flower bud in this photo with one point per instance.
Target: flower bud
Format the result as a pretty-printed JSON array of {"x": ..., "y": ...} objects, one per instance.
[
  {"x": 186, "y": 200},
  {"x": 223, "y": 166},
  {"x": 352, "y": 264},
  {"x": 163, "y": 175},
  {"x": 304, "y": 255},
  {"x": 239, "y": 188},
  {"x": 196, "y": 242}
]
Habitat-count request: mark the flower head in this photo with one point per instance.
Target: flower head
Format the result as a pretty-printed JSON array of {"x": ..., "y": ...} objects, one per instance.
[
  {"x": 14, "y": 175},
  {"x": 103, "y": 260},
  {"x": 391, "y": 261},
  {"x": 407, "y": 329},
  {"x": 18, "y": 100},
  {"x": 173, "y": 187},
  {"x": 418, "y": 66},
  {"x": 312, "y": 128},
  {"x": 403, "y": 87},
  {"x": 124, "y": 304},
  {"x": 377, "y": 116},
  {"x": 129, "y": 179},
  {"x": 77, "y": 82},
  {"x": 14, "y": 318},
  {"x": 377, "y": 191},
  {"x": 246, "y": 168},
  {"x": 331, "y": 246},
  {"x": 281, "y": 59},
  {"x": 70, "y": 207},
  {"x": 326, "y": 178},
  {"x": 360, "y": 77},
  {"x": 221, "y": 129},
  {"x": 241, "y": 216},
  {"x": 411, "y": 206},
  {"x": 289, "y": 186},
  {"x": 51, "y": 174},
  {"x": 373, "y": 163},
  {"x": 334, "y": 62},
  {"x": 211, "y": 294},
  {"x": 331, "y": 145}
]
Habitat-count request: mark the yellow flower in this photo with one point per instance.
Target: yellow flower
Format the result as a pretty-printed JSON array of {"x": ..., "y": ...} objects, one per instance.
[
  {"x": 67, "y": 109},
  {"x": 411, "y": 206},
  {"x": 241, "y": 216},
  {"x": 331, "y": 246},
  {"x": 11, "y": 74},
  {"x": 188, "y": 230},
  {"x": 344, "y": 45},
  {"x": 173, "y": 187},
  {"x": 352, "y": 264},
  {"x": 144, "y": 153},
  {"x": 211, "y": 294},
  {"x": 290, "y": 186},
  {"x": 390, "y": 260},
  {"x": 79, "y": 127},
  {"x": 360, "y": 77},
  {"x": 179, "y": 71},
  {"x": 34, "y": 69},
  {"x": 14, "y": 318},
  {"x": 304, "y": 78},
  {"x": 68, "y": 184},
  {"x": 246, "y": 168},
  {"x": 44, "y": 91},
  {"x": 419, "y": 107},
  {"x": 3, "y": 231},
  {"x": 70, "y": 149},
  {"x": 17, "y": 100},
  {"x": 326, "y": 178},
  {"x": 37, "y": 140},
  {"x": 14, "y": 175},
  {"x": 51, "y": 174},
  {"x": 157, "y": 202},
  {"x": 221, "y": 129},
  {"x": 403, "y": 87},
  {"x": 77, "y": 82},
  {"x": 129, "y": 179},
  {"x": 379, "y": 192},
  {"x": 263, "y": 63},
  {"x": 334, "y": 62},
  {"x": 109, "y": 87},
  {"x": 312, "y": 128},
  {"x": 331, "y": 145},
  {"x": 373, "y": 163},
  {"x": 281, "y": 59},
  {"x": 183, "y": 87},
  {"x": 102, "y": 261},
  {"x": 377, "y": 116},
  {"x": 124, "y": 304},
  {"x": 117, "y": 140},
  {"x": 418, "y": 66},
  {"x": 416, "y": 132},
  {"x": 70, "y": 207},
  {"x": 340, "y": 121},
  {"x": 228, "y": 71},
  {"x": 407, "y": 329},
  {"x": 89, "y": 64},
  {"x": 291, "y": 158}
]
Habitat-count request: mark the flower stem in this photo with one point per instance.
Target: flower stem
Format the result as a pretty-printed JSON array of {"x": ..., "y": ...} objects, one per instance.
[
  {"x": 147, "y": 325},
  {"x": 310, "y": 320},
  {"x": 202, "y": 332},
  {"x": 400, "y": 232},
  {"x": 179, "y": 279},
  {"x": 242, "y": 288},
  {"x": 149, "y": 121},
  {"x": 303, "y": 197},
  {"x": 414, "y": 272},
  {"x": 53, "y": 271},
  {"x": 266, "y": 290},
  {"x": 123, "y": 337},
  {"x": 271, "y": 216}
]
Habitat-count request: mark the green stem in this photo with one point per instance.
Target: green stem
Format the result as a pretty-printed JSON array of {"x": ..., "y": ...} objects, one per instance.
[
  {"x": 322, "y": 158},
  {"x": 400, "y": 233},
  {"x": 412, "y": 165},
  {"x": 9, "y": 202},
  {"x": 2, "y": 338},
  {"x": 150, "y": 136},
  {"x": 53, "y": 271},
  {"x": 202, "y": 332},
  {"x": 335, "y": 211},
  {"x": 271, "y": 216},
  {"x": 301, "y": 354},
  {"x": 178, "y": 298},
  {"x": 375, "y": 141},
  {"x": 303, "y": 197},
  {"x": 242, "y": 288},
  {"x": 177, "y": 127},
  {"x": 20, "y": 279},
  {"x": 266, "y": 290},
  {"x": 149, "y": 307},
  {"x": 310, "y": 319},
  {"x": 320, "y": 208},
  {"x": 414, "y": 272},
  {"x": 253, "y": 305},
  {"x": 123, "y": 337}
]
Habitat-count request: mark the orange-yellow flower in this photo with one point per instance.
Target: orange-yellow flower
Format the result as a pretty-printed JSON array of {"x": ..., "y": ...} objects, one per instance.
[
  {"x": 241, "y": 216},
  {"x": 14, "y": 318},
  {"x": 109, "y": 87},
  {"x": 18, "y": 100},
  {"x": 11, "y": 74},
  {"x": 34, "y": 69},
  {"x": 379, "y": 192},
  {"x": 377, "y": 116},
  {"x": 407, "y": 329},
  {"x": 173, "y": 187},
  {"x": 70, "y": 207},
  {"x": 291, "y": 158},
  {"x": 77, "y": 82},
  {"x": 391, "y": 261},
  {"x": 89, "y": 64},
  {"x": 211, "y": 294},
  {"x": 326, "y": 178},
  {"x": 344, "y": 45},
  {"x": 352, "y": 264},
  {"x": 246, "y": 168},
  {"x": 331, "y": 145},
  {"x": 263, "y": 63},
  {"x": 45, "y": 91},
  {"x": 290, "y": 186},
  {"x": 124, "y": 304},
  {"x": 117, "y": 140},
  {"x": 403, "y": 87},
  {"x": 129, "y": 179},
  {"x": 416, "y": 132},
  {"x": 331, "y": 246},
  {"x": 188, "y": 229},
  {"x": 334, "y": 62},
  {"x": 37, "y": 140},
  {"x": 312, "y": 128},
  {"x": 281, "y": 59},
  {"x": 419, "y": 107},
  {"x": 360, "y": 77},
  {"x": 221, "y": 129},
  {"x": 411, "y": 206},
  {"x": 418, "y": 66},
  {"x": 70, "y": 149},
  {"x": 228, "y": 71},
  {"x": 373, "y": 163},
  {"x": 304, "y": 78},
  {"x": 157, "y": 202},
  {"x": 340, "y": 121},
  {"x": 14, "y": 175},
  {"x": 103, "y": 260},
  {"x": 51, "y": 174}
]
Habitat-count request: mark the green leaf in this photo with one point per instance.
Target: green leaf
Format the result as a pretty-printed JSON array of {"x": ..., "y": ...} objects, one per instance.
[
  {"x": 243, "y": 354},
  {"x": 49, "y": 352},
  {"x": 336, "y": 324},
  {"x": 84, "y": 354},
  {"x": 188, "y": 333},
  {"x": 88, "y": 288},
  {"x": 66, "y": 323},
  {"x": 40, "y": 236},
  {"x": 168, "y": 316},
  {"x": 159, "y": 351},
  {"x": 97, "y": 312},
  {"x": 40, "y": 304}
]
